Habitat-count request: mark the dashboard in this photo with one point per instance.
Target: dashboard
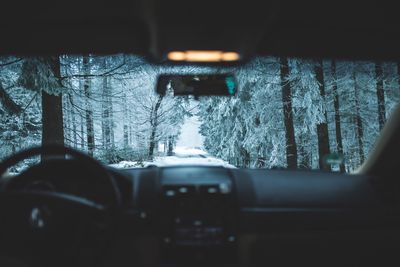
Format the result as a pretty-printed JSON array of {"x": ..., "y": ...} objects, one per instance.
[
  {"x": 199, "y": 216},
  {"x": 245, "y": 217}
]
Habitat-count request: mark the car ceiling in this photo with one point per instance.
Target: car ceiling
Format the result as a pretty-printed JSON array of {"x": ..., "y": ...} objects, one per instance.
[{"x": 153, "y": 27}]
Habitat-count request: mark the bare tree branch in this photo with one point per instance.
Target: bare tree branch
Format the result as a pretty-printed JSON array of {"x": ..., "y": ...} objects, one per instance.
[
  {"x": 107, "y": 73},
  {"x": 11, "y": 62}
]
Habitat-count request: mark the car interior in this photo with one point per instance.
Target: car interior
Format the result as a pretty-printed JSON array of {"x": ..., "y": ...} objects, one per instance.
[{"x": 201, "y": 215}]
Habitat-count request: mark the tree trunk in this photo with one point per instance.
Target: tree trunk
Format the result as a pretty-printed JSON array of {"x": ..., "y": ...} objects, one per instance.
[
  {"x": 110, "y": 113},
  {"x": 89, "y": 111},
  {"x": 126, "y": 121},
  {"x": 322, "y": 128},
  {"x": 246, "y": 158},
  {"x": 131, "y": 132},
  {"x": 8, "y": 103},
  {"x": 358, "y": 121},
  {"x": 304, "y": 161},
  {"x": 74, "y": 128},
  {"x": 52, "y": 113},
  {"x": 82, "y": 137},
  {"x": 154, "y": 124},
  {"x": 105, "y": 130},
  {"x": 81, "y": 120},
  {"x": 52, "y": 119},
  {"x": 152, "y": 143},
  {"x": 380, "y": 93},
  {"x": 112, "y": 129},
  {"x": 338, "y": 128},
  {"x": 170, "y": 142},
  {"x": 398, "y": 74},
  {"x": 107, "y": 113},
  {"x": 291, "y": 148},
  {"x": 67, "y": 122},
  {"x": 126, "y": 136}
]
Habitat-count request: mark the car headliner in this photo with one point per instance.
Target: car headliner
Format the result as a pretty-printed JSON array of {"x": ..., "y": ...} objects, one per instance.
[{"x": 153, "y": 27}]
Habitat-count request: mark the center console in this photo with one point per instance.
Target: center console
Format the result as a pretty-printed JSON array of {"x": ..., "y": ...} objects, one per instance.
[{"x": 198, "y": 220}]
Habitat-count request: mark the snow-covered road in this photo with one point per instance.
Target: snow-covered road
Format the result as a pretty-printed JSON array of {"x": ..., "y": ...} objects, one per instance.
[{"x": 182, "y": 156}]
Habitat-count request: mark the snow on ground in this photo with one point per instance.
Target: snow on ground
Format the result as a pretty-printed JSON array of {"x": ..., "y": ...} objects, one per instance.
[
  {"x": 183, "y": 156},
  {"x": 127, "y": 164},
  {"x": 189, "y": 151},
  {"x": 190, "y": 160}
]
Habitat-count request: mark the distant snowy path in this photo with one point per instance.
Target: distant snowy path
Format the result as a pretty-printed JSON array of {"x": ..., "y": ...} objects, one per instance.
[
  {"x": 190, "y": 134},
  {"x": 183, "y": 156}
]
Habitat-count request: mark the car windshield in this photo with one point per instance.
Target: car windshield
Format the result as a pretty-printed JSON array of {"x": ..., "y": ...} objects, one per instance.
[{"x": 287, "y": 113}]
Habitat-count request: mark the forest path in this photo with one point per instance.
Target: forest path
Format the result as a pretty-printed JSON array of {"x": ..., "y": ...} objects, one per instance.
[{"x": 190, "y": 134}]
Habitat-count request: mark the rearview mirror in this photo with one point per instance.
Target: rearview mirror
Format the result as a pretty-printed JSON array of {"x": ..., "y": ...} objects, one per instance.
[{"x": 198, "y": 85}]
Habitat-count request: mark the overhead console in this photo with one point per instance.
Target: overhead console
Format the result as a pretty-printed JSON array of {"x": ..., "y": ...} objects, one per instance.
[{"x": 197, "y": 216}]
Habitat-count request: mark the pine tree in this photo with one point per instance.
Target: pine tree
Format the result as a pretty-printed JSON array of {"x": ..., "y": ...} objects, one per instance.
[
  {"x": 322, "y": 127},
  {"x": 88, "y": 106},
  {"x": 380, "y": 93},
  {"x": 358, "y": 120},
  {"x": 336, "y": 103},
  {"x": 291, "y": 147}
]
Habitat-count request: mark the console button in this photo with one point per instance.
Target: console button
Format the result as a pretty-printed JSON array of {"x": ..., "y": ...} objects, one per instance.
[{"x": 209, "y": 189}]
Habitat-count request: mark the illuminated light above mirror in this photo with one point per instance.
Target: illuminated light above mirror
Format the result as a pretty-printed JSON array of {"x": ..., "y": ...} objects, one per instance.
[{"x": 203, "y": 56}]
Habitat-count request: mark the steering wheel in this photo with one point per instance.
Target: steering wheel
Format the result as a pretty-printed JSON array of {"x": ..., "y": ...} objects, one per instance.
[{"x": 47, "y": 228}]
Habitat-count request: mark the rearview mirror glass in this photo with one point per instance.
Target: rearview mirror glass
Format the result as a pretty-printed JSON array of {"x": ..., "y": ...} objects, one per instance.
[{"x": 198, "y": 85}]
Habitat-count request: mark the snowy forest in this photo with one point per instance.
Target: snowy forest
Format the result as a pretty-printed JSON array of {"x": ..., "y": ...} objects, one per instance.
[{"x": 287, "y": 113}]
